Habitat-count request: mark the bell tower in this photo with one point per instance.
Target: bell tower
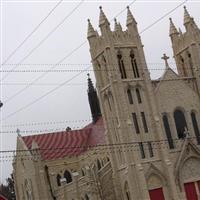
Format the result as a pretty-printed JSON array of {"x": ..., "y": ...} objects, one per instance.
[
  {"x": 126, "y": 98},
  {"x": 186, "y": 49}
]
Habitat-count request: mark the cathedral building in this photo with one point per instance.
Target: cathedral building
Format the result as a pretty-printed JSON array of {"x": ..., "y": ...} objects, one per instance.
[{"x": 144, "y": 140}]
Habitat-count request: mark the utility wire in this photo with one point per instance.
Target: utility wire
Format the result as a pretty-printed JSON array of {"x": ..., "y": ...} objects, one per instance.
[
  {"x": 98, "y": 146},
  {"x": 44, "y": 39},
  {"x": 41, "y": 97},
  {"x": 22, "y": 108},
  {"x": 78, "y": 47},
  {"x": 30, "y": 34},
  {"x": 43, "y": 74}
]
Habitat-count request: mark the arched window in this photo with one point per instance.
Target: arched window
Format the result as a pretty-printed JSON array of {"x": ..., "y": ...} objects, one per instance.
[
  {"x": 134, "y": 65},
  {"x": 98, "y": 164},
  {"x": 82, "y": 172},
  {"x": 130, "y": 98},
  {"x": 127, "y": 192},
  {"x": 87, "y": 197},
  {"x": 190, "y": 63},
  {"x": 195, "y": 126},
  {"x": 58, "y": 179},
  {"x": 168, "y": 132},
  {"x": 121, "y": 65},
  {"x": 180, "y": 122},
  {"x": 183, "y": 66},
  {"x": 137, "y": 129},
  {"x": 105, "y": 67},
  {"x": 138, "y": 95},
  {"x": 99, "y": 69},
  {"x": 68, "y": 176}
]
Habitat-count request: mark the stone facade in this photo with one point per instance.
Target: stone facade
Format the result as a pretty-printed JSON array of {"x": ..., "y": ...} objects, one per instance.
[{"x": 152, "y": 127}]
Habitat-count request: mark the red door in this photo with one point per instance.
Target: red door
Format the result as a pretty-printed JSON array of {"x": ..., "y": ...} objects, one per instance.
[
  {"x": 198, "y": 182},
  {"x": 156, "y": 194},
  {"x": 190, "y": 191}
]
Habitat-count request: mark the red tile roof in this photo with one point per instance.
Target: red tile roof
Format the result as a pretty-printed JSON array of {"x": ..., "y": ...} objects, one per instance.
[
  {"x": 2, "y": 197},
  {"x": 68, "y": 143}
]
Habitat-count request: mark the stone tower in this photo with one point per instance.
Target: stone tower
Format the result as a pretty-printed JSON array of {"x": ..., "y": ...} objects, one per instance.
[
  {"x": 128, "y": 104},
  {"x": 186, "y": 49}
]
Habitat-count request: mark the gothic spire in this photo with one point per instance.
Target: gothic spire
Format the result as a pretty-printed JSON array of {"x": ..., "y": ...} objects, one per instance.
[
  {"x": 90, "y": 84},
  {"x": 102, "y": 18},
  {"x": 117, "y": 26},
  {"x": 93, "y": 101},
  {"x": 172, "y": 29},
  {"x": 187, "y": 17},
  {"x": 91, "y": 32},
  {"x": 130, "y": 19}
]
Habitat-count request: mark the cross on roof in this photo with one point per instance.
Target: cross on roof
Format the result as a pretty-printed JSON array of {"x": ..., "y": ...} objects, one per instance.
[{"x": 165, "y": 58}]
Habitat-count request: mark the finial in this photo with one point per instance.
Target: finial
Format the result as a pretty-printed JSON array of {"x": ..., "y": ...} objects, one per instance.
[
  {"x": 172, "y": 29},
  {"x": 102, "y": 18},
  {"x": 187, "y": 17},
  {"x": 165, "y": 58},
  {"x": 91, "y": 31},
  {"x": 90, "y": 84},
  {"x": 130, "y": 19},
  {"x": 18, "y": 132}
]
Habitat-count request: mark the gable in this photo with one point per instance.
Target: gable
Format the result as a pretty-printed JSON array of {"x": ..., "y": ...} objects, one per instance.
[{"x": 174, "y": 91}]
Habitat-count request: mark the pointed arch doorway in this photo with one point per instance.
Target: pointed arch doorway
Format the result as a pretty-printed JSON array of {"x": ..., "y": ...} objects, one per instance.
[{"x": 155, "y": 185}]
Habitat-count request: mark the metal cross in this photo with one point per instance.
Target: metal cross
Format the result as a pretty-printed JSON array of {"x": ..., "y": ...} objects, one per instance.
[{"x": 165, "y": 58}]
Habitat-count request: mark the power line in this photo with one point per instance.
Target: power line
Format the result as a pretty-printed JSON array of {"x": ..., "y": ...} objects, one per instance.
[
  {"x": 98, "y": 146},
  {"x": 42, "y": 75},
  {"x": 84, "y": 84},
  {"x": 45, "y": 38},
  {"x": 31, "y": 33},
  {"x": 79, "y": 70},
  {"x": 22, "y": 108},
  {"x": 41, "y": 97},
  {"x": 162, "y": 17}
]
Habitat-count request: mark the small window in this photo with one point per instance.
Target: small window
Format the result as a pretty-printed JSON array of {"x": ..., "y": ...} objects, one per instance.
[
  {"x": 68, "y": 176},
  {"x": 181, "y": 125},
  {"x": 58, "y": 180},
  {"x": 168, "y": 132},
  {"x": 121, "y": 66},
  {"x": 144, "y": 122},
  {"x": 141, "y": 150},
  {"x": 130, "y": 98},
  {"x": 98, "y": 164},
  {"x": 195, "y": 127},
  {"x": 134, "y": 65},
  {"x": 134, "y": 116},
  {"x": 86, "y": 197},
  {"x": 138, "y": 96},
  {"x": 150, "y": 149},
  {"x": 82, "y": 172}
]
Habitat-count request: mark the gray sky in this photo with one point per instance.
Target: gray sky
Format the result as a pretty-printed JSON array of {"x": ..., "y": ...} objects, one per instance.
[{"x": 68, "y": 103}]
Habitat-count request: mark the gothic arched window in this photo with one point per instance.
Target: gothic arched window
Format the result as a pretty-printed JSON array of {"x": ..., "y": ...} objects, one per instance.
[
  {"x": 195, "y": 126},
  {"x": 130, "y": 98},
  {"x": 98, "y": 164},
  {"x": 121, "y": 66},
  {"x": 190, "y": 63},
  {"x": 105, "y": 67},
  {"x": 181, "y": 124},
  {"x": 168, "y": 132},
  {"x": 134, "y": 65},
  {"x": 68, "y": 176},
  {"x": 138, "y": 95},
  {"x": 127, "y": 192},
  {"x": 58, "y": 180},
  {"x": 183, "y": 66},
  {"x": 86, "y": 197}
]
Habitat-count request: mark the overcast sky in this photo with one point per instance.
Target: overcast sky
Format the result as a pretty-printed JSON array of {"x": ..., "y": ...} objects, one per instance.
[{"x": 68, "y": 105}]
